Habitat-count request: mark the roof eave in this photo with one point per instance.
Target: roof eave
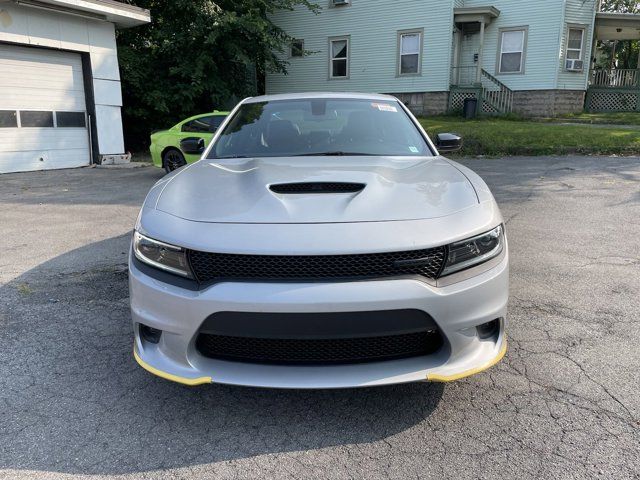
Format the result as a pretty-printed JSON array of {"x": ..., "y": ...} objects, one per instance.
[
  {"x": 617, "y": 26},
  {"x": 121, "y": 14},
  {"x": 475, "y": 14}
]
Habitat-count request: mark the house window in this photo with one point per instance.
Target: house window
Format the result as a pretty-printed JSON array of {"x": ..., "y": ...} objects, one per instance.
[
  {"x": 512, "y": 50},
  {"x": 575, "y": 43},
  {"x": 410, "y": 49},
  {"x": 339, "y": 57},
  {"x": 297, "y": 48}
]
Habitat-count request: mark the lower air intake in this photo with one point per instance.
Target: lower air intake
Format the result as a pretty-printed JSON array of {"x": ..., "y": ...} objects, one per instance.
[{"x": 319, "y": 351}]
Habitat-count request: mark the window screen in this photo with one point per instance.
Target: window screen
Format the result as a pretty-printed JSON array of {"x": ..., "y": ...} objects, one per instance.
[
  {"x": 339, "y": 58},
  {"x": 574, "y": 44},
  {"x": 512, "y": 51},
  {"x": 30, "y": 118},
  {"x": 410, "y": 53}
]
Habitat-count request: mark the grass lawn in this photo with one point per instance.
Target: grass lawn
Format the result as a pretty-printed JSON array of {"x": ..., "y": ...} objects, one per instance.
[
  {"x": 620, "y": 118},
  {"x": 500, "y": 136}
]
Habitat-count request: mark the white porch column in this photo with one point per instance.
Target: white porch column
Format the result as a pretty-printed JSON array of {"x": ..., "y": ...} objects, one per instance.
[
  {"x": 457, "y": 39},
  {"x": 481, "y": 49}
]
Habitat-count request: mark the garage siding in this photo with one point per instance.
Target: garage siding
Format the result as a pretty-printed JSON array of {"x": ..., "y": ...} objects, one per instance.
[
  {"x": 61, "y": 33},
  {"x": 41, "y": 80}
]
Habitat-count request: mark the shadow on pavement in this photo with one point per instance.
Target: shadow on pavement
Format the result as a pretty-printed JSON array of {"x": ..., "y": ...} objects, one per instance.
[
  {"x": 89, "y": 186},
  {"x": 73, "y": 400}
]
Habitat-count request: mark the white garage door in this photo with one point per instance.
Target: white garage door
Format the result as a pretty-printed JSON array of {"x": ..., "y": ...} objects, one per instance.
[{"x": 43, "y": 119}]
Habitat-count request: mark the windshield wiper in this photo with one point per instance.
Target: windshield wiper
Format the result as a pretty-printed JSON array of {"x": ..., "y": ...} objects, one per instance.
[{"x": 338, "y": 153}]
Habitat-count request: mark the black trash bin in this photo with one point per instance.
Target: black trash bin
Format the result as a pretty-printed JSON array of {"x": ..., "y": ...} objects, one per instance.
[{"x": 470, "y": 107}]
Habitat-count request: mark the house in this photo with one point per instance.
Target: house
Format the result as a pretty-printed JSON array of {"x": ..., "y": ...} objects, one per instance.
[
  {"x": 60, "y": 95},
  {"x": 530, "y": 57}
]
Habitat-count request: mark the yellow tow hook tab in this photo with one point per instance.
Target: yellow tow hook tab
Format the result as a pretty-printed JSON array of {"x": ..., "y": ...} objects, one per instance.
[
  {"x": 434, "y": 377},
  {"x": 192, "y": 382}
]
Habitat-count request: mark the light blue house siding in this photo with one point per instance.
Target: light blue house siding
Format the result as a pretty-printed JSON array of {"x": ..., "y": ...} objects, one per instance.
[
  {"x": 547, "y": 22},
  {"x": 545, "y": 87},
  {"x": 373, "y": 27},
  {"x": 542, "y": 45},
  {"x": 451, "y": 43},
  {"x": 578, "y": 13}
]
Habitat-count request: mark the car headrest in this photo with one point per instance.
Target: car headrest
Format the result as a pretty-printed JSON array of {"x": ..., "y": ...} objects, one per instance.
[{"x": 280, "y": 134}]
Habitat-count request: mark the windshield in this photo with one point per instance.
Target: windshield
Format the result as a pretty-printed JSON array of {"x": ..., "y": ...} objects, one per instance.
[{"x": 320, "y": 127}]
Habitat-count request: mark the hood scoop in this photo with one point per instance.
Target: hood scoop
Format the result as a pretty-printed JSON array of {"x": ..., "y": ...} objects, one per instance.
[
  {"x": 274, "y": 190},
  {"x": 317, "y": 187}
]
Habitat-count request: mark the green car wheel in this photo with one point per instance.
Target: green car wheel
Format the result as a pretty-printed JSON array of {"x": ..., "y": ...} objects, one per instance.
[{"x": 172, "y": 160}]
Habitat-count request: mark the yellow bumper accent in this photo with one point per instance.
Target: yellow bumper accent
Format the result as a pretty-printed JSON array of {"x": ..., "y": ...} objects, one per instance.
[
  {"x": 434, "y": 377},
  {"x": 174, "y": 378}
]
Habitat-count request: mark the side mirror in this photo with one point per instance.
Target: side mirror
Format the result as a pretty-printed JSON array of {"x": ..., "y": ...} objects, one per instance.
[
  {"x": 448, "y": 142},
  {"x": 192, "y": 145}
]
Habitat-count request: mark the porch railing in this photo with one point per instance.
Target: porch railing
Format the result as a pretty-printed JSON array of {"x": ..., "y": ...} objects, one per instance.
[
  {"x": 464, "y": 75},
  {"x": 493, "y": 96},
  {"x": 615, "y": 78},
  {"x": 496, "y": 94}
]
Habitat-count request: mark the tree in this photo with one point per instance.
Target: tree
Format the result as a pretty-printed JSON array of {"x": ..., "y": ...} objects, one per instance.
[
  {"x": 620, "y": 6},
  {"x": 196, "y": 55},
  {"x": 624, "y": 53}
]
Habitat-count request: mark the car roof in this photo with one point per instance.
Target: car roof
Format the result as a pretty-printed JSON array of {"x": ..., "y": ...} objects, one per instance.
[
  {"x": 320, "y": 95},
  {"x": 209, "y": 114},
  {"x": 200, "y": 115}
]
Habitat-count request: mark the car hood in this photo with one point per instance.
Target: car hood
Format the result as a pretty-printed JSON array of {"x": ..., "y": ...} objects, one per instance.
[{"x": 238, "y": 190}]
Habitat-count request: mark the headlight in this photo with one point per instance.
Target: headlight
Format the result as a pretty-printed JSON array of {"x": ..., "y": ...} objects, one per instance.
[
  {"x": 161, "y": 255},
  {"x": 473, "y": 251}
]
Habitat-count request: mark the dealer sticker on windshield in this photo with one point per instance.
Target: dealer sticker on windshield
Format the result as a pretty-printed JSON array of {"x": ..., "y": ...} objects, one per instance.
[{"x": 384, "y": 107}]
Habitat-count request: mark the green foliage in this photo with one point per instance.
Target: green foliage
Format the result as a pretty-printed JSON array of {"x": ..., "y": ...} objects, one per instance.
[
  {"x": 625, "y": 53},
  {"x": 620, "y": 6},
  {"x": 196, "y": 56}
]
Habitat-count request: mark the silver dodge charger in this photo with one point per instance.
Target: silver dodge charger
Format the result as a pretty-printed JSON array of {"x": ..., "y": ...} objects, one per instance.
[{"x": 321, "y": 241}]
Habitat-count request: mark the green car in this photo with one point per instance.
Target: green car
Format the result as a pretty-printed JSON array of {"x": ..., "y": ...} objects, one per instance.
[{"x": 173, "y": 148}]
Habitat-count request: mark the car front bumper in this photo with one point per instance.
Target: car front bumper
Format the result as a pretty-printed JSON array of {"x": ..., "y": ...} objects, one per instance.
[{"x": 457, "y": 310}]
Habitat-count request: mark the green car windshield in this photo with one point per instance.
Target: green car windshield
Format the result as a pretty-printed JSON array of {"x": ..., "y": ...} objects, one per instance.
[{"x": 320, "y": 127}]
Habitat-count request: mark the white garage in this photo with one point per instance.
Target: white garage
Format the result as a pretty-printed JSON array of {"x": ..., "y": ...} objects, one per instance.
[
  {"x": 43, "y": 121},
  {"x": 60, "y": 94}
]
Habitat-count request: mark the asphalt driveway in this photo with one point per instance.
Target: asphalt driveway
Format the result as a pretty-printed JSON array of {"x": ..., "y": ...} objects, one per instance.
[{"x": 564, "y": 403}]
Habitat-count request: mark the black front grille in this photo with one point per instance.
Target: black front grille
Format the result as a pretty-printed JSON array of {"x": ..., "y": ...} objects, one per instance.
[
  {"x": 210, "y": 267},
  {"x": 319, "y": 351},
  {"x": 317, "y": 187}
]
